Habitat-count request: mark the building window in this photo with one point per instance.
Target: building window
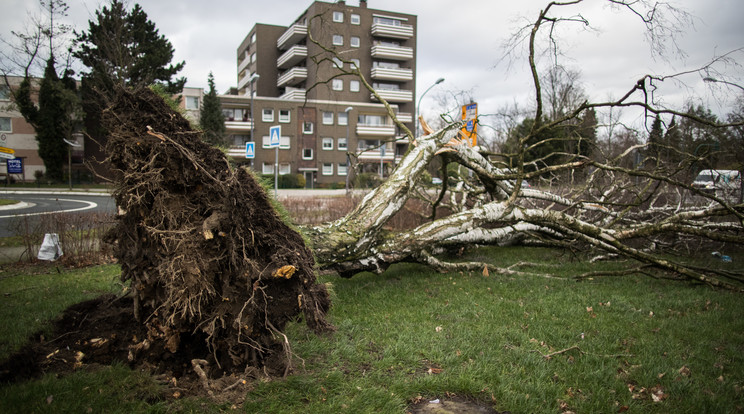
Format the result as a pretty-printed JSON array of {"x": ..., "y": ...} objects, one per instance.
[
  {"x": 354, "y": 85},
  {"x": 307, "y": 153},
  {"x": 253, "y": 57},
  {"x": 354, "y": 41},
  {"x": 341, "y": 169},
  {"x": 268, "y": 115},
  {"x": 253, "y": 38},
  {"x": 338, "y": 17},
  {"x": 5, "y": 125},
  {"x": 327, "y": 144},
  {"x": 337, "y": 85},
  {"x": 338, "y": 40},
  {"x": 235, "y": 114},
  {"x": 327, "y": 168},
  {"x": 327, "y": 118},
  {"x": 192, "y": 102},
  {"x": 267, "y": 168},
  {"x": 372, "y": 120},
  {"x": 4, "y": 93},
  {"x": 284, "y": 169},
  {"x": 341, "y": 144},
  {"x": 338, "y": 63},
  {"x": 307, "y": 127},
  {"x": 284, "y": 142},
  {"x": 355, "y": 63},
  {"x": 355, "y": 19},
  {"x": 284, "y": 115},
  {"x": 343, "y": 118}
]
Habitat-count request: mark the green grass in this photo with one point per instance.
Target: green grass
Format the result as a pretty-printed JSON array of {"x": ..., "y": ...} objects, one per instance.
[
  {"x": 7, "y": 202},
  {"x": 412, "y": 333}
]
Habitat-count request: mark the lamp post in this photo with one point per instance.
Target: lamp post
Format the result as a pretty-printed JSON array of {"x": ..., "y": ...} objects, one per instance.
[
  {"x": 252, "y": 79},
  {"x": 348, "y": 121},
  {"x": 714, "y": 80},
  {"x": 69, "y": 159},
  {"x": 440, "y": 80}
]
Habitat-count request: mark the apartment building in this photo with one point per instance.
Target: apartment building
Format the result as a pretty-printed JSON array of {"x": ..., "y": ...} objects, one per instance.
[
  {"x": 18, "y": 135},
  {"x": 292, "y": 76}
]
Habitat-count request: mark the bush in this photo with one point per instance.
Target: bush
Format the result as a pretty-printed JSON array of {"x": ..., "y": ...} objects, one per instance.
[{"x": 285, "y": 181}]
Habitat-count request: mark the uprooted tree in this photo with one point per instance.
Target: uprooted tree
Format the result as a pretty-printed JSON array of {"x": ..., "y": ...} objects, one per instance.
[{"x": 208, "y": 258}]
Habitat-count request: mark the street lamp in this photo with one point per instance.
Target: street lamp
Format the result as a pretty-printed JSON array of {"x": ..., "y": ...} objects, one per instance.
[
  {"x": 440, "y": 80},
  {"x": 69, "y": 159},
  {"x": 714, "y": 80},
  {"x": 252, "y": 79},
  {"x": 348, "y": 160}
]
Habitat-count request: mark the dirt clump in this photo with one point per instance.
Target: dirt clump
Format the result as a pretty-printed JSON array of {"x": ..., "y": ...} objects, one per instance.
[{"x": 215, "y": 273}]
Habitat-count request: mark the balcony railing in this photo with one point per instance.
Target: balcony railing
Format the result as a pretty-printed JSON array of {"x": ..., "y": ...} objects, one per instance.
[
  {"x": 394, "y": 95},
  {"x": 395, "y": 74},
  {"x": 375, "y": 130},
  {"x": 404, "y": 117},
  {"x": 237, "y": 151},
  {"x": 291, "y": 57},
  {"x": 404, "y": 31},
  {"x": 238, "y": 125},
  {"x": 292, "y": 77},
  {"x": 291, "y": 36},
  {"x": 392, "y": 52},
  {"x": 294, "y": 94}
]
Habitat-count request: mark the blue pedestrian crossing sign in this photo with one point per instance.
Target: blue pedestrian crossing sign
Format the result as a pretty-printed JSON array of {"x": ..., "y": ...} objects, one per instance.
[
  {"x": 274, "y": 133},
  {"x": 250, "y": 149}
]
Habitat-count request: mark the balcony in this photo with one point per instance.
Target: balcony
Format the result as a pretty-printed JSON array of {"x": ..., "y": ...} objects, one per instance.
[
  {"x": 404, "y": 117},
  {"x": 392, "y": 52},
  {"x": 292, "y": 57},
  {"x": 244, "y": 63},
  {"x": 294, "y": 94},
  {"x": 375, "y": 155},
  {"x": 236, "y": 151},
  {"x": 238, "y": 126},
  {"x": 294, "y": 34},
  {"x": 292, "y": 77},
  {"x": 375, "y": 130},
  {"x": 404, "y": 31},
  {"x": 394, "y": 96},
  {"x": 394, "y": 74}
]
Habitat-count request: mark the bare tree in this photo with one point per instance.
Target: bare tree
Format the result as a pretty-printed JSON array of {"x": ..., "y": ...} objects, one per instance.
[{"x": 621, "y": 207}]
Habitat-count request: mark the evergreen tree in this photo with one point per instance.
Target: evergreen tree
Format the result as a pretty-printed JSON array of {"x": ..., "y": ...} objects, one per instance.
[
  {"x": 673, "y": 144},
  {"x": 124, "y": 47},
  {"x": 52, "y": 118},
  {"x": 655, "y": 137},
  {"x": 211, "y": 120}
]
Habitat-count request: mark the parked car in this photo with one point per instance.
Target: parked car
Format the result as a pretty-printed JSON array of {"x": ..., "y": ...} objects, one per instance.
[{"x": 723, "y": 183}]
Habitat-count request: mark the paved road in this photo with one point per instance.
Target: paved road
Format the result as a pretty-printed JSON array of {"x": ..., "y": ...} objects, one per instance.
[{"x": 33, "y": 207}]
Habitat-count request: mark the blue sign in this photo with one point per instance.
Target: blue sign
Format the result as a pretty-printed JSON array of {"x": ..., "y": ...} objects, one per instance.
[
  {"x": 250, "y": 149},
  {"x": 15, "y": 166},
  {"x": 274, "y": 133}
]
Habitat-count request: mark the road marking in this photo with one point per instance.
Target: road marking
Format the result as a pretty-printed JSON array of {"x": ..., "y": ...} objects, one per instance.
[{"x": 89, "y": 205}]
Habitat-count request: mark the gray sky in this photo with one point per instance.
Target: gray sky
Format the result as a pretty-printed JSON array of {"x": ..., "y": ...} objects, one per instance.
[{"x": 462, "y": 41}]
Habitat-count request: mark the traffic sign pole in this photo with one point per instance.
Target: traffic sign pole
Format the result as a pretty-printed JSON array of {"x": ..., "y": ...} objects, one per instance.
[{"x": 275, "y": 133}]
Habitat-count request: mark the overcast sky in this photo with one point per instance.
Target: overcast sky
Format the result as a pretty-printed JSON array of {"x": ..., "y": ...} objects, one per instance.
[{"x": 461, "y": 41}]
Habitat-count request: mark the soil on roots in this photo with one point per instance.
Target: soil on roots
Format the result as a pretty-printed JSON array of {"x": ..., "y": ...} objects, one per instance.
[{"x": 215, "y": 273}]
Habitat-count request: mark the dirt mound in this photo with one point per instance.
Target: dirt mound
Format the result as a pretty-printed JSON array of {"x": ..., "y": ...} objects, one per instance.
[{"x": 215, "y": 273}]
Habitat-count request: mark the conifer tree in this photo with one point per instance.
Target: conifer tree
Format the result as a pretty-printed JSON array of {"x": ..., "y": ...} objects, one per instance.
[{"x": 211, "y": 120}]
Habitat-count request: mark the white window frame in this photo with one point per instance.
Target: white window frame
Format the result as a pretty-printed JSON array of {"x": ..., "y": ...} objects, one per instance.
[
  {"x": 10, "y": 124},
  {"x": 355, "y": 19},
  {"x": 327, "y": 117},
  {"x": 343, "y": 118},
  {"x": 304, "y": 156},
  {"x": 354, "y": 85},
  {"x": 327, "y": 144},
  {"x": 284, "y": 142},
  {"x": 327, "y": 168},
  {"x": 355, "y": 63},
  {"x": 342, "y": 144},
  {"x": 338, "y": 40},
  {"x": 267, "y": 168},
  {"x": 307, "y": 127},
  {"x": 4, "y": 93},
  {"x": 191, "y": 99},
  {"x": 338, "y": 84},
  {"x": 338, "y": 62},
  {"x": 267, "y": 114},
  {"x": 284, "y": 116},
  {"x": 285, "y": 168},
  {"x": 355, "y": 41},
  {"x": 342, "y": 169},
  {"x": 338, "y": 17}
]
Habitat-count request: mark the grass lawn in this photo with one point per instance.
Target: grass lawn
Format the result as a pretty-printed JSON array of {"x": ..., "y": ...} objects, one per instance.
[{"x": 631, "y": 344}]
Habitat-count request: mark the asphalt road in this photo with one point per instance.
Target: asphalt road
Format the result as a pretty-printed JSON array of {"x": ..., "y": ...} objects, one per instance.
[{"x": 34, "y": 208}]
